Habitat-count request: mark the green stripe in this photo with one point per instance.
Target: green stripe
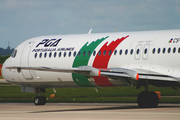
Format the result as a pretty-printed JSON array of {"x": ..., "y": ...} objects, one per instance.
[{"x": 81, "y": 60}]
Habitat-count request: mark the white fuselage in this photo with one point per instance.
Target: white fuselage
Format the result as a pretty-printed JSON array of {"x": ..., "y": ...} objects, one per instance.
[{"x": 133, "y": 51}]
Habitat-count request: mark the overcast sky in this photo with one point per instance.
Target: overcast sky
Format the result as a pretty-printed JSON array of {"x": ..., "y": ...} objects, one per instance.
[{"x": 24, "y": 19}]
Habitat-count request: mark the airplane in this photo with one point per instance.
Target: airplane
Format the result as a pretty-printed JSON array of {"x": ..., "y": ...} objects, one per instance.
[{"x": 139, "y": 58}]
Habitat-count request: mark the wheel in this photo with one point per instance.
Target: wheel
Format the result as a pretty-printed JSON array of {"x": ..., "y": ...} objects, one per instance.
[
  {"x": 154, "y": 100},
  {"x": 142, "y": 99},
  {"x": 147, "y": 99},
  {"x": 40, "y": 100},
  {"x": 37, "y": 100},
  {"x": 43, "y": 102}
]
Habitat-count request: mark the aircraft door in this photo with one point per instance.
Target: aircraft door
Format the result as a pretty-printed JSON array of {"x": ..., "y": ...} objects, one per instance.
[
  {"x": 138, "y": 52},
  {"x": 25, "y": 60},
  {"x": 145, "y": 51}
]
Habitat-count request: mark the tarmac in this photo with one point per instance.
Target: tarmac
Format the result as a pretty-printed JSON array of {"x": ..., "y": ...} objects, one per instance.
[
  {"x": 3, "y": 81},
  {"x": 87, "y": 111}
]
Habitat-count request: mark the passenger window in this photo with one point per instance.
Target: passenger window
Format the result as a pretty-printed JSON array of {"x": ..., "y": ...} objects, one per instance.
[
  {"x": 69, "y": 54},
  {"x": 169, "y": 50},
  {"x": 14, "y": 53},
  {"x": 109, "y": 52},
  {"x": 55, "y": 54},
  {"x": 120, "y": 52},
  {"x": 159, "y": 50},
  {"x": 64, "y": 54},
  {"x": 40, "y": 55},
  {"x": 131, "y": 51},
  {"x": 59, "y": 54},
  {"x": 94, "y": 53},
  {"x": 45, "y": 54},
  {"x": 104, "y": 53},
  {"x": 79, "y": 53},
  {"x": 137, "y": 52},
  {"x": 126, "y": 52},
  {"x": 145, "y": 51},
  {"x": 89, "y": 53},
  {"x": 74, "y": 53},
  {"x": 84, "y": 53},
  {"x": 35, "y": 55},
  {"x": 154, "y": 50},
  {"x": 99, "y": 53},
  {"x": 164, "y": 50},
  {"x": 115, "y": 52},
  {"x": 174, "y": 50},
  {"x": 50, "y": 54}
]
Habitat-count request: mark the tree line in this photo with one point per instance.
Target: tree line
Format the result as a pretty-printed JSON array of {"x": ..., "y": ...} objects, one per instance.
[
  {"x": 6, "y": 51},
  {"x": 3, "y": 58}
]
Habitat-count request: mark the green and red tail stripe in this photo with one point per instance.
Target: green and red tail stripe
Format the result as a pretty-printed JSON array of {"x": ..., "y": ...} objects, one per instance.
[
  {"x": 82, "y": 60},
  {"x": 102, "y": 59}
]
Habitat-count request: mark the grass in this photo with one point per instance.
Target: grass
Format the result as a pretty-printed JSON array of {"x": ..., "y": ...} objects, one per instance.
[
  {"x": 105, "y": 95},
  {"x": 1, "y": 77}
]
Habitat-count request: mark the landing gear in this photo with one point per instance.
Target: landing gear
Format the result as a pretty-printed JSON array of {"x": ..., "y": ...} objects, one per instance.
[
  {"x": 40, "y": 100},
  {"x": 147, "y": 99}
]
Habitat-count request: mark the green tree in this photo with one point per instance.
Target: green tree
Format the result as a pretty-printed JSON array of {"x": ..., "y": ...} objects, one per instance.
[{"x": 3, "y": 58}]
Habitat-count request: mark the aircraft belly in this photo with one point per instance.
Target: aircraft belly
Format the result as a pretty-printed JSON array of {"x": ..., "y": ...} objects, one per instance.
[{"x": 64, "y": 84}]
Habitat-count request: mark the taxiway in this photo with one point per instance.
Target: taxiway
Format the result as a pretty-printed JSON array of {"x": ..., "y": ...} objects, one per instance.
[{"x": 87, "y": 111}]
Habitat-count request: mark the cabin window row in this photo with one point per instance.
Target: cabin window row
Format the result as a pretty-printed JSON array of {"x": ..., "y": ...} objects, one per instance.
[
  {"x": 64, "y": 54},
  {"x": 55, "y": 54},
  {"x": 105, "y": 52},
  {"x": 164, "y": 50},
  {"x": 84, "y": 53}
]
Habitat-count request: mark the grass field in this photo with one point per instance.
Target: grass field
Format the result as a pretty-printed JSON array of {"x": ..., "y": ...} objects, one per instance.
[{"x": 105, "y": 95}]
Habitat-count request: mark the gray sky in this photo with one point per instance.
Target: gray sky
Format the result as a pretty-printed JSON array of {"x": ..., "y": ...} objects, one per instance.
[{"x": 24, "y": 19}]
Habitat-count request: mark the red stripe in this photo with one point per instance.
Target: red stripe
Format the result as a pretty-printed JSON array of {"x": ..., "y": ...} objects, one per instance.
[
  {"x": 0, "y": 69},
  {"x": 101, "y": 61},
  {"x": 103, "y": 81}
]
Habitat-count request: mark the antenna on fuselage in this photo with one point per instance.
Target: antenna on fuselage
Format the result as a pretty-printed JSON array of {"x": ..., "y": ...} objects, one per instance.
[{"x": 90, "y": 31}]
